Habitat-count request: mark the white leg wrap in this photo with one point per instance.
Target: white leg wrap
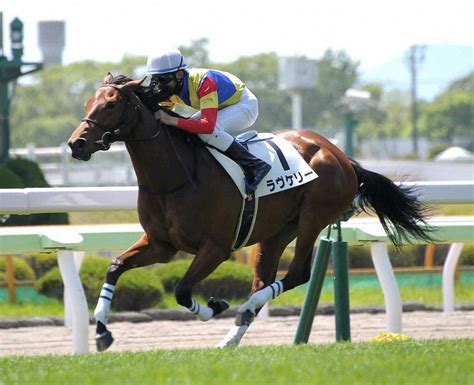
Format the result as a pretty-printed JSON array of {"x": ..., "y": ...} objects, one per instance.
[
  {"x": 261, "y": 297},
  {"x": 204, "y": 313},
  {"x": 102, "y": 310},
  {"x": 233, "y": 337}
]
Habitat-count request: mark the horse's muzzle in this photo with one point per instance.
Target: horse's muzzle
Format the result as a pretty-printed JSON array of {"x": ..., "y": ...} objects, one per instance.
[{"x": 79, "y": 149}]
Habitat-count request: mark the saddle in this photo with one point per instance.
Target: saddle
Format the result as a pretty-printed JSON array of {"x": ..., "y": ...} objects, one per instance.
[{"x": 289, "y": 170}]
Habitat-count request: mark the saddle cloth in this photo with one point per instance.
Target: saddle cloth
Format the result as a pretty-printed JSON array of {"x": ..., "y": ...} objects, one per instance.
[{"x": 288, "y": 167}]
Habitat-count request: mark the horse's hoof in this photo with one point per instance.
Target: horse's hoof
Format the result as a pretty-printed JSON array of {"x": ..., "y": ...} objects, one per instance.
[
  {"x": 217, "y": 305},
  {"x": 103, "y": 341},
  {"x": 225, "y": 344},
  {"x": 244, "y": 318}
]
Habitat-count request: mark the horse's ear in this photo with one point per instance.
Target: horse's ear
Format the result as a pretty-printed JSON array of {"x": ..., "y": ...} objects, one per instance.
[
  {"x": 132, "y": 84},
  {"x": 108, "y": 78}
]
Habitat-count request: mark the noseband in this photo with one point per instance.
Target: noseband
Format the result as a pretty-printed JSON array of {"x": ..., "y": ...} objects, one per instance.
[{"x": 112, "y": 134}]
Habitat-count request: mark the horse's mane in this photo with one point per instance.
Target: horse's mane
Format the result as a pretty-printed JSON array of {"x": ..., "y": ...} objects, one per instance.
[
  {"x": 142, "y": 94},
  {"x": 120, "y": 79}
]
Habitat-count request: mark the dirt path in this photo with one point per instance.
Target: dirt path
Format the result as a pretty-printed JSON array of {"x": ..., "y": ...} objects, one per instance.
[{"x": 272, "y": 330}]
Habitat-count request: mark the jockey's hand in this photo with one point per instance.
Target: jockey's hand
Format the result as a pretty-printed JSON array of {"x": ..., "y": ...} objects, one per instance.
[{"x": 167, "y": 119}]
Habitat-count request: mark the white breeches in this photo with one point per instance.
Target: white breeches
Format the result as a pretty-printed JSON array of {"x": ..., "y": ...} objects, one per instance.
[{"x": 233, "y": 120}]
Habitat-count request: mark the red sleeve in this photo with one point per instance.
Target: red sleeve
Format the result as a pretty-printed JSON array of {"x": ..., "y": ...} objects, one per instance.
[
  {"x": 207, "y": 93},
  {"x": 204, "y": 125}
]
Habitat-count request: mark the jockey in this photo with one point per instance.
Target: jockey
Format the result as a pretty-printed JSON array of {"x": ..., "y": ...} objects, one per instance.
[{"x": 226, "y": 108}]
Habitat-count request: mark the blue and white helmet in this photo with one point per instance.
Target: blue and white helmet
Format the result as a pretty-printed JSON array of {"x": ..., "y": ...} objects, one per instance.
[{"x": 164, "y": 63}]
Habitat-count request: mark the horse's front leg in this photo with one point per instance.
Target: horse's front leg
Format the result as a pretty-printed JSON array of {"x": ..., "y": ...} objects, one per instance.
[
  {"x": 140, "y": 254},
  {"x": 207, "y": 259}
]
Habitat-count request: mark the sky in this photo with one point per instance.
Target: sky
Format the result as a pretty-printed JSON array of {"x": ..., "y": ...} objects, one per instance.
[{"x": 372, "y": 32}]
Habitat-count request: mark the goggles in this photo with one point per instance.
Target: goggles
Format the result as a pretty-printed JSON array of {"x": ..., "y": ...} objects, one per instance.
[{"x": 163, "y": 79}]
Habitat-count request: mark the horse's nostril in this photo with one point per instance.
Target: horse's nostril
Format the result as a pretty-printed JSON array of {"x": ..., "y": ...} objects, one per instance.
[
  {"x": 79, "y": 149},
  {"x": 77, "y": 144}
]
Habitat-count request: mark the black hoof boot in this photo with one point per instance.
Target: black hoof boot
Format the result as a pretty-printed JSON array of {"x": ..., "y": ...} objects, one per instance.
[
  {"x": 245, "y": 318},
  {"x": 217, "y": 305},
  {"x": 103, "y": 341}
]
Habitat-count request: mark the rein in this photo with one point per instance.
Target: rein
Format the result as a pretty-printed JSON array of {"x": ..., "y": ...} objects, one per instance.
[
  {"x": 191, "y": 179},
  {"x": 112, "y": 135}
]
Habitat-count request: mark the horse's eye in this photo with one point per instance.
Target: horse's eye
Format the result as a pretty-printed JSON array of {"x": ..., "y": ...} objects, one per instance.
[{"x": 110, "y": 105}]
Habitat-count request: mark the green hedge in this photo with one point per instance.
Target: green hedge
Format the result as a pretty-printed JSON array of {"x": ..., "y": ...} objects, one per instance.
[
  {"x": 8, "y": 179},
  {"x": 23, "y": 271},
  {"x": 42, "y": 263},
  {"x": 408, "y": 255},
  {"x": 231, "y": 280},
  {"x": 28, "y": 171},
  {"x": 467, "y": 255},
  {"x": 136, "y": 289},
  {"x": 24, "y": 173},
  {"x": 437, "y": 149}
]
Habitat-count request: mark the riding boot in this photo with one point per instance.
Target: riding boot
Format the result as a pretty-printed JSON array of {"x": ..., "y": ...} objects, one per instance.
[{"x": 254, "y": 168}]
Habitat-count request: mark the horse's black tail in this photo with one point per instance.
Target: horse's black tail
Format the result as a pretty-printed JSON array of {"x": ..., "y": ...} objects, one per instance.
[{"x": 401, "y": 213}]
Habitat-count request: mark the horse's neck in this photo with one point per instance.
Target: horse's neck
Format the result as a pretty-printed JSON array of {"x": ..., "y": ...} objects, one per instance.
[{"x": 156, "y": 163}]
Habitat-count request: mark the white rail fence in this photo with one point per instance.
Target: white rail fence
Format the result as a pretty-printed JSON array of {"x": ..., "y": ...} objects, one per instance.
[
  {"x": 113, "y": 167},
  {"x": 110, "y": 168},
  {"x": 67, "y": 239},
  {"x": 74, "y": 199}
]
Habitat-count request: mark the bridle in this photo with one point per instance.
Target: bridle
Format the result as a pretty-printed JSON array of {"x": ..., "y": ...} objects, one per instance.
[{"x": 111, "y": 135}]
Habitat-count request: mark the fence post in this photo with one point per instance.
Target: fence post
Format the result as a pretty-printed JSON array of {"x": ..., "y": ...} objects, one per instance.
[
  {"x": 341, "y": 287},
  {"x": 318, "y": 272},
  {"x": 30, "y": 152},
  {"x": 388, "y": 282},
  {"x": 78, "y": 257},
  {"x": 10, "y": 276},
  {"x": 449, "y": 269},
  {"x": 75, "y": 293}
]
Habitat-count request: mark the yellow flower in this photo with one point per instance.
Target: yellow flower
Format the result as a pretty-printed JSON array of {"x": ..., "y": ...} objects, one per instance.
[{"x": 390, "y": 337}]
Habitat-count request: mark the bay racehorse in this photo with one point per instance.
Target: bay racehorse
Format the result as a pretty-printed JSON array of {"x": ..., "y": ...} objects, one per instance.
[{"x": 187, "y": 202}]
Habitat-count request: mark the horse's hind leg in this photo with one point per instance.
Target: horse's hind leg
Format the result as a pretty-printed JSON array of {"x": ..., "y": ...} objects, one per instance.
[
  {"x": 140, "y": 254},
  {"x": 298, "y": 271},
  {"x": 267, "y": 256}
]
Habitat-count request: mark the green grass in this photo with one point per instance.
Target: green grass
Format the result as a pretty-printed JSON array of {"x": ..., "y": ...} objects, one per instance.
[
  {"x": 49, "y": 308},
  {"x": 416, "y": 362},
  {"x": 359, "y": 297}
]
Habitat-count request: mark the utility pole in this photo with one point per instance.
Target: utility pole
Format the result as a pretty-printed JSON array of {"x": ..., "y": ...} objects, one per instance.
[
  {"x": 415, "y": 58},
  {"x": 10, "y": 71},
  {"x": 295, "y": 75}
]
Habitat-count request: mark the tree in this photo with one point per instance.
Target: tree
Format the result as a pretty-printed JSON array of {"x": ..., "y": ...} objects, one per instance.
[
  {"x": 465, "y": 84},
  {"x": 449, "y": 116},
  {"x": 46, "y": 110},
  {"x": 388, "y": 117},
  {"x": 196, "y": 54},
  {"x": 335, "y": 73},
  {"x": 260, "y": 73}
]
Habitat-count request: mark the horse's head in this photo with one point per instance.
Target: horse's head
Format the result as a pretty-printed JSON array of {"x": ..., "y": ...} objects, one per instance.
[{"x": 112, "y": 113}]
